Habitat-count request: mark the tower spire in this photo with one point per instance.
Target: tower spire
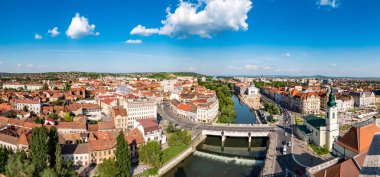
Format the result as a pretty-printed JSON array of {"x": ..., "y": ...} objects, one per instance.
[{"x": 331, "y": 102}]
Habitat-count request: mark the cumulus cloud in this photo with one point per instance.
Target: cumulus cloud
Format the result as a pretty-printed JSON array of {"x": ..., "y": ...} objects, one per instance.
[
  {"x": 132, "y": 41},
  {"x": 37, "y": 36},
  {"x": 204, "y": 19},
  {"x": 334, "y": 64},
  {"x": 287, "y": 54},
  {"x": 19, "y": 64},
  {"x": 80, "y": 27},
  {"x": 54, "y": 32},
  {"x": 328, "y": 3},
  {"x": 142, "y": 31}
]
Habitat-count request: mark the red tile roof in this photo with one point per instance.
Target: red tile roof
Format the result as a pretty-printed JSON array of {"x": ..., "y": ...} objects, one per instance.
[
  {"x": 358, "y": 139},
  {"x": 149, "y": 125}
]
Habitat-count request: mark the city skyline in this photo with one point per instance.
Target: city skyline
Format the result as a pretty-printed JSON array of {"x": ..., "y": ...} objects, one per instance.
[{"x": 314, "y": 37}]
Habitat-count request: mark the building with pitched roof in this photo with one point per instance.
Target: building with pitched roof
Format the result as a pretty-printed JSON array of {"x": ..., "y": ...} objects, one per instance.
[
  {"x": 321, "y": 131},
  {"x": 357, "y": 140},
  {"x": 78, "y": 153},
  {"x": 150, "y": 130}
]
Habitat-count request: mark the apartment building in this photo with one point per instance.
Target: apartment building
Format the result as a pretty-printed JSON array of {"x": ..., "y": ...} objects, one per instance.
[
  {"x": 364, "y": 99},
  {"x": 32, "y": 105},
  {"x": 120, "y": 117},
  {"x": 140, "y": 109},
  {"x": 78, "y": 153}
]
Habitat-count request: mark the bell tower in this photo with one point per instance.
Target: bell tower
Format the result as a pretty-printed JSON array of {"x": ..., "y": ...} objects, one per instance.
[{"x": 332, "y": 125}]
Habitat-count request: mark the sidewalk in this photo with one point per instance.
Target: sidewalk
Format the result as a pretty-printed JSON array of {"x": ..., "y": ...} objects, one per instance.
[{"x": 305, "y": 156}]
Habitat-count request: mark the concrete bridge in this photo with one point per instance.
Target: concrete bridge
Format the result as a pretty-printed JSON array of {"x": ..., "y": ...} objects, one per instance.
[{"x": 238, "y": 131}]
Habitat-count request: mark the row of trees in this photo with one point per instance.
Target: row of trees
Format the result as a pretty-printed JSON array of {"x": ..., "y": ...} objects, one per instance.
[
  {"x": 44, "y": 157},
  {"x": 272, "y": 108},
  {"x": 226, "y": 105}
]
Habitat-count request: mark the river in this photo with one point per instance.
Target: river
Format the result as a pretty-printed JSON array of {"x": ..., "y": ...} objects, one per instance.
[
  {"x": 236, "y": 158},
  {"x": 243, "y": 114}
]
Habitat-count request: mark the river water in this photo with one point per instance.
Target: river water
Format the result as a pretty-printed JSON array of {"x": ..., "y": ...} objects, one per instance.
[
  {"x": 236, "y": 158},
  {"x": 243, "y": 114}
]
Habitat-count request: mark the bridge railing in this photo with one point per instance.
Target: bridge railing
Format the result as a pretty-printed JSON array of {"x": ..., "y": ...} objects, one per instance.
[{"x": 240, "y": 129}]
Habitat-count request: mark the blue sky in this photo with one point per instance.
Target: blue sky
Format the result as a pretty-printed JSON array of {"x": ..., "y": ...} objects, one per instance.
[{"x": 229, "y": 37}]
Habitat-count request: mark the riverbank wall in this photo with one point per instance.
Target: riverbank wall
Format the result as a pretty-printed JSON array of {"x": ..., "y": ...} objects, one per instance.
[
  {"x": 186, "y": 153},
  {"x": 250, "y": 106}
]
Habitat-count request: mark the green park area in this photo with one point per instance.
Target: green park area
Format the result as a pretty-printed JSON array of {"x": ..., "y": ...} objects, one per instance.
[{"x": 224, "y": 94}]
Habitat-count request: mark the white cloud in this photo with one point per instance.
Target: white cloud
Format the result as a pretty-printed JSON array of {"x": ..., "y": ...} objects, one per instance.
[
  {"x": 205, "y": 19},
  {"x": 132, "y": 41},
  {"x": 142, "y": 31},
  {"x": 19, "y": 64},
  {"x": 328, "y": 3},
  {"x": 80, "y": 27},
  {"x": 54, "y": 32},
  {"x": 1, "y": 62},
  {"x": 334, "y": 64},
  {"x": 37, "y": 36},
  {"x": 287, "y": 54}
]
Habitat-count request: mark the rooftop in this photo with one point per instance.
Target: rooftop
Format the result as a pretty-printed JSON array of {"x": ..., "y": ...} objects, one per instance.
[{"x": 315, "y": 121}]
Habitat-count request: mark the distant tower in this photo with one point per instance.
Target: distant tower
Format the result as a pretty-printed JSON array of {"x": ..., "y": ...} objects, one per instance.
[{"x": 331, "y": 121}]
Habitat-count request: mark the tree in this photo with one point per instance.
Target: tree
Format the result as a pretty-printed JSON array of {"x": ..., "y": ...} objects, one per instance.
[
  {"x": 49, "y": 172},
  {"x": 108, "y": 169},
  {"x": 123, "y": 156},
  {"x": 58, "y": 165},
  {"x": 18, "y": 166},
  {"x": 39, "y": 149},
  {"x": 4, "y": 155},
  {"x": 25, "y": 109},
  {"x": 68, "y": 170},
  {"x": 45, "y": 87},
  {"x": 53, "y": 141},
  {"x": 171, "y": 128},
  {"x": 179, "y": 138},
  {"x": 67, "y": 117},
  {"x": 54, "y": 116},
  {"x": 10, "y": 114},
  {"x": 151, "y": 153}
]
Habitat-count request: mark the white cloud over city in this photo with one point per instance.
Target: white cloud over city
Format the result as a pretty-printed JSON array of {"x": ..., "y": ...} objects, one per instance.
[
  {"x": 53, "y": 32},
  {"x": 205, "y": 19},
  {"x": 37, "y": 36},
  {"x": 80, "y": 27},
  {"x": 328, "y": 3},
  {"x": 133, "y": 41}
]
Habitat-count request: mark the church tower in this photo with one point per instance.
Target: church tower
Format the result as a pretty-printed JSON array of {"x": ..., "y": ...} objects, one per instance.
[{"x": 332, "y": 126}]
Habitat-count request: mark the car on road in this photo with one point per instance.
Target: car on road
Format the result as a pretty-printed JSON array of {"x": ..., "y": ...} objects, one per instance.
[
  {"x": 289, "y": 143},
  {"x": 286, "y": 134},
  {"x": 284, "y": 150}
]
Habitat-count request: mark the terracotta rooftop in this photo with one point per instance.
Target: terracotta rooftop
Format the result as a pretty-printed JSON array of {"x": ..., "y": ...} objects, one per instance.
[
  {"x": 149, "y": 125},
  {"x": 358, "y": 139},
  {"x": 71, "y": 125},
  {"x": 134, "y": 135},
  {"x": 348, "y": 168}
]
